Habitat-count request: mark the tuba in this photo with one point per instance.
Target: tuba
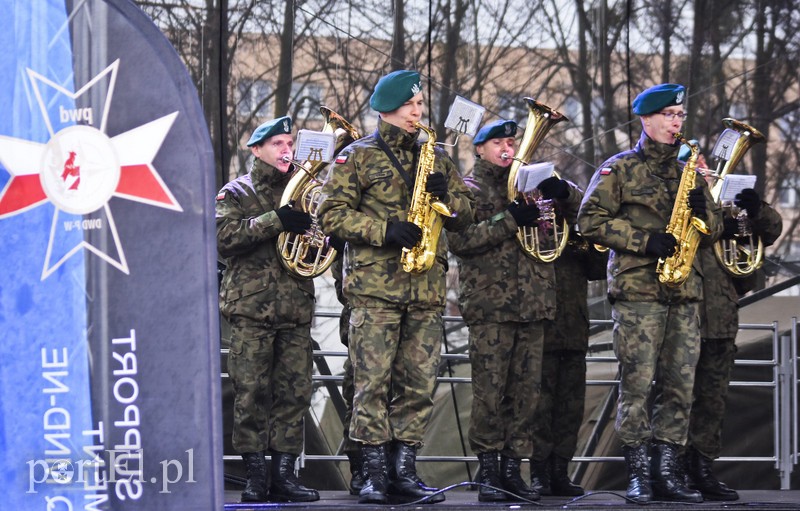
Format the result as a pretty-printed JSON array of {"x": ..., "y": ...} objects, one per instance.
[
  {"x": 310, "y": 254},
  {"x": 743, "y": 254},
  {"x": 675, "y": 269},
  {"x": 538, "y": 242},
  {"x": 425, "y": 212}
]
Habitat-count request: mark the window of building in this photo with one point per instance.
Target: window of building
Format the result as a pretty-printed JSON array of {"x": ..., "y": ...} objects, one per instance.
[
  {"x": 787, "y": 192},
  {"x": 254, "y": 94},
  {"x": 305, "y": 102}
]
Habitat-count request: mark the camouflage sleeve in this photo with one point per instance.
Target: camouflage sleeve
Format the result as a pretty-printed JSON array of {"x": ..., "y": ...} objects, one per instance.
[
  {"x": 768, "y": 224},
  {"x": 341, "y": 193},
  {"x": 597, "y": 216},
  {"x": 569, "y": 207},
  {"x": 713, "y": 217},
  {"x": 238, "y": 233},
  {"x": 460, "y": 198},
  {"x": 480, "y": 237}
]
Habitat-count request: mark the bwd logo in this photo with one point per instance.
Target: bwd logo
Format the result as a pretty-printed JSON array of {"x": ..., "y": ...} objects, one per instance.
[{"x": 80, "y": 169}]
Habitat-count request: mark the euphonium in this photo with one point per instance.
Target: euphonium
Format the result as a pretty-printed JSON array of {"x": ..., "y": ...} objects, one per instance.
[
  {"x": 310, "y": 254},
  {"x": 537, "y": 242},
  {"x": 675, "y": 269},
  {"x": 425, "y": 212},
  {"x": 744, "y": 254}
]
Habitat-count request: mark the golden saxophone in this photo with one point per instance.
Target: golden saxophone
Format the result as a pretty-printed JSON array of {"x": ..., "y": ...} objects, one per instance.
[
  {"x": 743, "y": 254},
  {"x": 309, "y": 254},
  {"x": 675, "y": 269},
  {"x": 425, "y": 212}
]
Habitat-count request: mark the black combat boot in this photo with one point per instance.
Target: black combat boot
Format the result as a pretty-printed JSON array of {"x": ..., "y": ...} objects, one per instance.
[
  {"x": 667, "y": 485},
  {"x": 638, "y": 467},
  {"x": 540, "y": 476},
  {"x": 256, "y": 466},
  {"x": 511, "y": 480},
  {"x": 489, "y": 475},
  {"x": 356, "y": 472},
  {"x": 703, "y": 478},
  {"x": 404, "y": 483},
  {"x": 560, "y": 483},
  {"x": 285, "y": 487},
  {"x": 376, "y": 483}
]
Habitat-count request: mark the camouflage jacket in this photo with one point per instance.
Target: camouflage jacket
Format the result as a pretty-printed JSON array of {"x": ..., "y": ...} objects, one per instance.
[
  {"x": 629, "y": 197},
  {"x": 255, "y": 284},
  {"x": 719, "y": 312},
  {"x": 497, "y": 281},
  {"x": 362, "y": 194}
]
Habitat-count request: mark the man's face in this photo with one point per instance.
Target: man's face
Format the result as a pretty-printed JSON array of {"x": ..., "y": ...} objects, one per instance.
[
  {"x": 274, "y": 150},
  {"x": 407, "y": 115},
  {"x": 662, "y": 126},
  {"x": 498, "y": 151}
]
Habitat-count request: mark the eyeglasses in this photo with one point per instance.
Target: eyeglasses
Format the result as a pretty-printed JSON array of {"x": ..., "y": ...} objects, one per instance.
[{"x": 672, "y": 115}]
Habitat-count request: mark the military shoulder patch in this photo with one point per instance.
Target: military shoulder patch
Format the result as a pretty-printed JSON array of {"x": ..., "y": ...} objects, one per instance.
[
  {"x": 220, "y": 195},
  {"x": 606, "y": 171},
  {"x": 342, "y": 158}
]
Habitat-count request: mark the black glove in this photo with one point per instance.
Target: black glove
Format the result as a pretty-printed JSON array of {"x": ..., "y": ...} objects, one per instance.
[
  {"x": 748, "y": 200},
  {"x": 336, "y": 243},
  {"x": 697, "y": 202},
  {"x": 730, "y": 228},
  {"x": 294, "y": 221},
  {"x": 437, "y": 185},
  {"x": 404, "y": 234},
  {"x": 554, "y": 188},
  {"x": 524, "y": 214},
  {"x": 660, "y": 244}
]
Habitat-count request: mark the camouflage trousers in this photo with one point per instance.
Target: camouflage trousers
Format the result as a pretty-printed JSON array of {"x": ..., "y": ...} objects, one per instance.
[
  {"x": 348, "y": 446},
  {"x": 395, "y": 354},
  {"x": 712, "y": 376},
  {"x": 271, "y": 374},
  {"x": 559, "y": 414},
  {"x": 655, "y": 340},
  {"x": 506, "y": 360}
]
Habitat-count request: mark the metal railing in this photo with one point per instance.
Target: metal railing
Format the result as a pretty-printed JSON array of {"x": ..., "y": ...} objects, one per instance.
[{"x": 784, "y": 385}]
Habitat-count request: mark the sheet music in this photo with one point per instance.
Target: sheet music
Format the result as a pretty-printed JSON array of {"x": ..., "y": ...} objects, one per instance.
[
  {"x": 733, "y": 184},
  {"x": 529, "y": 176},
  {"x": 724, "y": 146},
  {"x": 314, "y": 146},
  {"x": 464, "y": 116}
]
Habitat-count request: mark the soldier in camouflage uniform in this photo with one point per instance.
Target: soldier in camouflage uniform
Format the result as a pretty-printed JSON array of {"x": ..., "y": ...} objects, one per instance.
[
  {"x": 396, "y": 317},
  {"x": 505, "y": 298},
  {"x": 559, "y": 414},
  {"x": 719, "y": 315},
  {"x": 656, "y": 327},
  {"x": 270, "y": 313}
]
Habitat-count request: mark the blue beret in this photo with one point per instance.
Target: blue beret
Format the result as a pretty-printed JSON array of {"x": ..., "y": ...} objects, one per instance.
[
  {"x": 279, "y": 126},
  {"x": 684, "y": 152},
  {"x": 658, "y": 97},
  {"x": 394, "y": 89},
  {"x": 496, "y": 129}
]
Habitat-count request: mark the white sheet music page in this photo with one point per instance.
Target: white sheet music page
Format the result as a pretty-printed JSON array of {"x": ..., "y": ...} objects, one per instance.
[
  {"x": 464, "y": 116},
  {"x": 529, "y": 176},
  {"x": 733, "y": 184},
  {"x": 314, "y": 146}
]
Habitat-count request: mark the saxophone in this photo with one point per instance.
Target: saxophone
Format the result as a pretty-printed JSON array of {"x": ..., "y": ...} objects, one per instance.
[
  {"x": 675, "y": 269},
  {"x": 425, "y": 212}
]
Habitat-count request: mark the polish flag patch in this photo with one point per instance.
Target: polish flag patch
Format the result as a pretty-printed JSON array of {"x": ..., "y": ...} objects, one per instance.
[
  {"x": 220, "y": 195},
  {"x": 605, "y": 171},
  {"x": 342, "y": 158}
]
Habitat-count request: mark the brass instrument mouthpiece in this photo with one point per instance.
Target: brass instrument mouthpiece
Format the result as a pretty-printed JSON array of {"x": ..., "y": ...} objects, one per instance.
[
  {"x": 286, "y": 159},
  {"x": 504, "y": 156}
]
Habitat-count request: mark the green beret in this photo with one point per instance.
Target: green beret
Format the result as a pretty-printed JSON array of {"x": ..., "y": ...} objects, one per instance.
[
  {"x": 684, "y": 152},
  {"x": 279, "y": 126},
  {"x": 496, "y": 129},
  {"x": 658, "y": 97},
  {"x": 395, "y": 89}
]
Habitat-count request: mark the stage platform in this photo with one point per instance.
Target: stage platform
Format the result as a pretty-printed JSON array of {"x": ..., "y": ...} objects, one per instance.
[{"x": 461, "y": 499}]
